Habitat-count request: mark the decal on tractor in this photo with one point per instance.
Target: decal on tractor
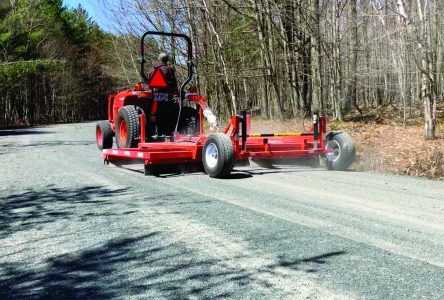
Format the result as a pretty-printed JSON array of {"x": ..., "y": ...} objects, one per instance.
[{"x": 158, "y": 81}]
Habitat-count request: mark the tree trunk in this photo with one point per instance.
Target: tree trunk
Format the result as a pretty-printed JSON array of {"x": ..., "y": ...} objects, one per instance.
[
  {"x": 352, "y": 90},
  {"x": 226, "y": 83},
  {"x": 315, "y": 58}
]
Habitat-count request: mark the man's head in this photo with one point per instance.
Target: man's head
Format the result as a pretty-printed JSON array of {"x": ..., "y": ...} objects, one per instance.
[{"x": 163, "y": 57}]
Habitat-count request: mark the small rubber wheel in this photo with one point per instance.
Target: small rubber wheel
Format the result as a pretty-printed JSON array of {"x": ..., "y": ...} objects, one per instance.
[
  {"x": 127, "y": 127},
  {"x": 344, "y": 151},
  {"x": 188, "y": 122},
  {"x": 218, "y": 155},
  {"x": 104, "y": 135}
]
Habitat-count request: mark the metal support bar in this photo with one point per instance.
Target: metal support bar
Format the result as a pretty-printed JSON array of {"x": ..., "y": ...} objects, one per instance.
[
  {"x": 315, "y": 129},
  {"x": 322, "y": 130},
  {"x": 142, "y": 127},
  {"x": 282, "y": 134},
  {"x": 244, "y": 130}
]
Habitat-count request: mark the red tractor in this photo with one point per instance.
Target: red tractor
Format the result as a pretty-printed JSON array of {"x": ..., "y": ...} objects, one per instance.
[{"x": 161, "y": 127}]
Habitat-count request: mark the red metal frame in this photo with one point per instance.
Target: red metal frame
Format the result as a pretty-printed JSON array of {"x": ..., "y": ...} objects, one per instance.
[
  {"x": 123, "y": 131},
  {"x": 254, "y": 146},
  {"x": 99, "y": 136},
  {"x": 186, "y": 150}
]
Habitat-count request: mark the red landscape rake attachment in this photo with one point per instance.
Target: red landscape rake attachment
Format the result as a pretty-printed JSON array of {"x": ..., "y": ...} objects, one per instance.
[{"x": 186, "y": 144}]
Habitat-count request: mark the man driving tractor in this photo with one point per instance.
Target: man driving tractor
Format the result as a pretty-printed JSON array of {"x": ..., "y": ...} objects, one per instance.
[
  {"x": 168, "y": 72},
  {"x": 167, "y": 109}
]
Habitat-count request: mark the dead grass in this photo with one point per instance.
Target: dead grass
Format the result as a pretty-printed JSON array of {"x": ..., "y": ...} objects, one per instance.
[{"x": 384, "y": 148}]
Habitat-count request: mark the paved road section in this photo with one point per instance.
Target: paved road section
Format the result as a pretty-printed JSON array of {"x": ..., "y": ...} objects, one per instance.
[{"x": 71, "y": 227}]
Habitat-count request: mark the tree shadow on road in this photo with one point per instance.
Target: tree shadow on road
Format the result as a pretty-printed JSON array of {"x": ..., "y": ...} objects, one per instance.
[
  {"x": 144, "y": 265},
  {"x": 147, "y": 264},
  {"x": 313, "y": 260},
  {"x": 48, "y": 144},
  {"x": 18, "y": 132},
  {"x": 31, "y": 208}
]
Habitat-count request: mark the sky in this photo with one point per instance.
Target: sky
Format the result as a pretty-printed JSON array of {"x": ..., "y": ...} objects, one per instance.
[{"x": 92, "y": 7}]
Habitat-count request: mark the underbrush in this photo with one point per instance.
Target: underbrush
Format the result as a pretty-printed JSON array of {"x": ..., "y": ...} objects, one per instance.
[{"x": 430, "y": 166}]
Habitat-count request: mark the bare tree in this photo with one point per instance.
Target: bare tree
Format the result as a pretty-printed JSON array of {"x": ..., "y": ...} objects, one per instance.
[{"x": 290, "y": 57}]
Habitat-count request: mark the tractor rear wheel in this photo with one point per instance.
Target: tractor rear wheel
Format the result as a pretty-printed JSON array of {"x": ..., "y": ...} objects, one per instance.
[
  {"x": 343, "y": 151},
  {"x": 218, "y": 155},
  {"x": 189, "y": 121},
  {"x": 127, "y": 127},
  {"x": 104, "y": 135}
]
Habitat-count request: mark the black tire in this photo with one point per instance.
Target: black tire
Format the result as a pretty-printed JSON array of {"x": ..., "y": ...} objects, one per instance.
[
  {"x": 218, "y": 155},
  {"x": 128, "y": 117},
  {"x": 344, "y": 155},
  {"x": 188, "y": 122},
  {"x": 104, "y": 135}
]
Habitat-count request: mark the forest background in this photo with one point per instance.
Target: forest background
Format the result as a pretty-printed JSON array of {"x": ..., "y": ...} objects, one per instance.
[{"x": 365, "y": 61}]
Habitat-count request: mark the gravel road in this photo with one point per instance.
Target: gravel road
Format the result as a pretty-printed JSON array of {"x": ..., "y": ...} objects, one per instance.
[{"x": 71, "y": 227}]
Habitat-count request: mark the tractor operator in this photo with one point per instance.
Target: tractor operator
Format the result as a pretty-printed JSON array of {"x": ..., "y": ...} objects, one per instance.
[
  {"x": 164, "y": 111},
  {"x": 168, "y": 73}
]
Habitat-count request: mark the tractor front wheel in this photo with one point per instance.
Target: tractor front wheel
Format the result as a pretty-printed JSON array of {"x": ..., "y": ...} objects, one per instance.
[
  {"x": 218, "y": 155},
  {"x": 127, "y": 127},
  {"x": 189, "y": 121},
  {"x": 343, "y": 154},
  {"x": 104, "y": 135}
]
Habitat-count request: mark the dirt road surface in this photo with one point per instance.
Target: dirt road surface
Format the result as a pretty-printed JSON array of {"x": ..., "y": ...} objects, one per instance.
[{"x": 72, "y": 227}]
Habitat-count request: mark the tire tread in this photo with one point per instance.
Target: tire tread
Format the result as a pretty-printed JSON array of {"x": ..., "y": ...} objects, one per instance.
[
  {"x": 107, "y": 134},
  {"x": 348, "y": 152},
  {"x": 226, "y": 152},
  {"x": 189, "y": 121},
  {"x": 130, "y": 113}
]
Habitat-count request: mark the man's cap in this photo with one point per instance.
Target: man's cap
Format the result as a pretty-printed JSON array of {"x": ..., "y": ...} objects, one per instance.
[{"x": 163, "y": 57}]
